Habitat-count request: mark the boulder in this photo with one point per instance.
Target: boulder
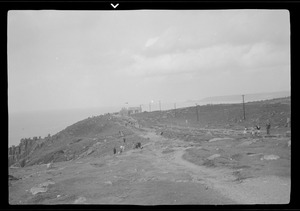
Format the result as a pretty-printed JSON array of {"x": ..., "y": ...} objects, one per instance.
[
  {"x": 35, "y": 190},
  {"x": 49, "y": 165},
  {"x": 41, "y": 188},
  {"x": 270, "y": 157}
]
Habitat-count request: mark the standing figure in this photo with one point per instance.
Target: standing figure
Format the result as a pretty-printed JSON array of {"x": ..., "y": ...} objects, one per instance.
[
  {"x": 245, "y": 131},
  {"x": 122, "y": 149},
  {"x": 288, "y": 122},
  {"x": 258, "y": 129},
  {"x": 268, "y": 126},
  {"x": 124, "y": 140},
  {"x": 115, "y": 151},
  {"x": 253, "y": 132}
]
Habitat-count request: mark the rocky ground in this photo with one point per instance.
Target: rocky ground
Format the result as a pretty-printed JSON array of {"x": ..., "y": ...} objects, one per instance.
[
  {"x": 181, "y": 162},
  {"x": 228, "y": 168}
]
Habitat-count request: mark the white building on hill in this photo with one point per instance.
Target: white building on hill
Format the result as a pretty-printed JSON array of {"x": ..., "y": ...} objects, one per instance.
[{"x": 130, "y": 110}]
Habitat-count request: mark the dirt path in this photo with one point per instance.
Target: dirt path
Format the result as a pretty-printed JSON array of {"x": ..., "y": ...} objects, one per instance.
[
  {"x": 156, "y": 174},
  {"x": 262, "y": 190}
]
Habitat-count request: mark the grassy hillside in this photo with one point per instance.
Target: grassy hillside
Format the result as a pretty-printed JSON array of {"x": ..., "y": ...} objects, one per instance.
[
  {"x": 223, "y": 115},
  {"x": 97, "y": 136}
]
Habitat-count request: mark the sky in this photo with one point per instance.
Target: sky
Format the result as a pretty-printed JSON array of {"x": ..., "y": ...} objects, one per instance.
[{"x": 81, "y": 59}]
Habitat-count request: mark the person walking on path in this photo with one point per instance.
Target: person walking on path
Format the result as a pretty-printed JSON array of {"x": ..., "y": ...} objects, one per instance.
[
  {"x": 268, "y": 126},
  {"x": 245, "y": 131},
  {"x": 115, "y": 151}
]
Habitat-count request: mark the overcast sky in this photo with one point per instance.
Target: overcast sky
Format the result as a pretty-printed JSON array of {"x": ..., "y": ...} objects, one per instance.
[{"x": 81, "y": 59}]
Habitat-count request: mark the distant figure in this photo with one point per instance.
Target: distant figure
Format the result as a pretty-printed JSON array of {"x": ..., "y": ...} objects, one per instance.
[
  {"x": 245, "y": 131},
  {"x": 268, "y": 126},
  {"x": 253, "y": 132},
  {"x": 115, "y": 151},
  {"x": 257, "y": 129},
  {"x": 124, "y": 140},
  {"x": 288, "y": 122},
  {"x": 138, "y": 145},
  {"x": 122, "y": 148},
  {"x": 161, "y": 132}
]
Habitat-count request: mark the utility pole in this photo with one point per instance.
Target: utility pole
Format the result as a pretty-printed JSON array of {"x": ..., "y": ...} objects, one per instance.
[
  {"x": 244, "y": 107},
  {"x": 197, "y": 112}
]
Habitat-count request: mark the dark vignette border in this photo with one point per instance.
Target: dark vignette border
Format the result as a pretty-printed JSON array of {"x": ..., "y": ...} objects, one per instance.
[{"x": 292, "y": 6}]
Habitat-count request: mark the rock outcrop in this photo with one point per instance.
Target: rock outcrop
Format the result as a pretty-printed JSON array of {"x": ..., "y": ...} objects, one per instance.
[
  {"x": 78, "y": 140},
  {"x": 24, "y": 149}
]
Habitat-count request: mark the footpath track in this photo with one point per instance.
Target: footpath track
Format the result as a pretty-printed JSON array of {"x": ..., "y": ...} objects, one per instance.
[{"x": 156, "y": 174}]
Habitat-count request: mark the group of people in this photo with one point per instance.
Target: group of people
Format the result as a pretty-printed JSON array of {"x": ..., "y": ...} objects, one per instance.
[
  {"x": 122, "y": 148},
  {"x": 137, "y": 145},
  {"x": 255, "y": 131}
]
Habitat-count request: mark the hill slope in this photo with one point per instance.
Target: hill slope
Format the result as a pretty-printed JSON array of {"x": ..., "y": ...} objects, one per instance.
[
  {"x": 89, "y": 136},
  {"x": 177, "y": 164},
  {"x": 223, "y": 115},
  {"x": 94, "y": 136}
]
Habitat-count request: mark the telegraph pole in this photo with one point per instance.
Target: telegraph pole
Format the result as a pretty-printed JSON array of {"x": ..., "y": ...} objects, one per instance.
[
  {"x": 244, "y": 107},
  {"x": 197, "y": 112}
]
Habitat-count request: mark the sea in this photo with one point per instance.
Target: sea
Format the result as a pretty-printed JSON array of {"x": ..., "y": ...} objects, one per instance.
[{"x": 41, "y": 123}]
